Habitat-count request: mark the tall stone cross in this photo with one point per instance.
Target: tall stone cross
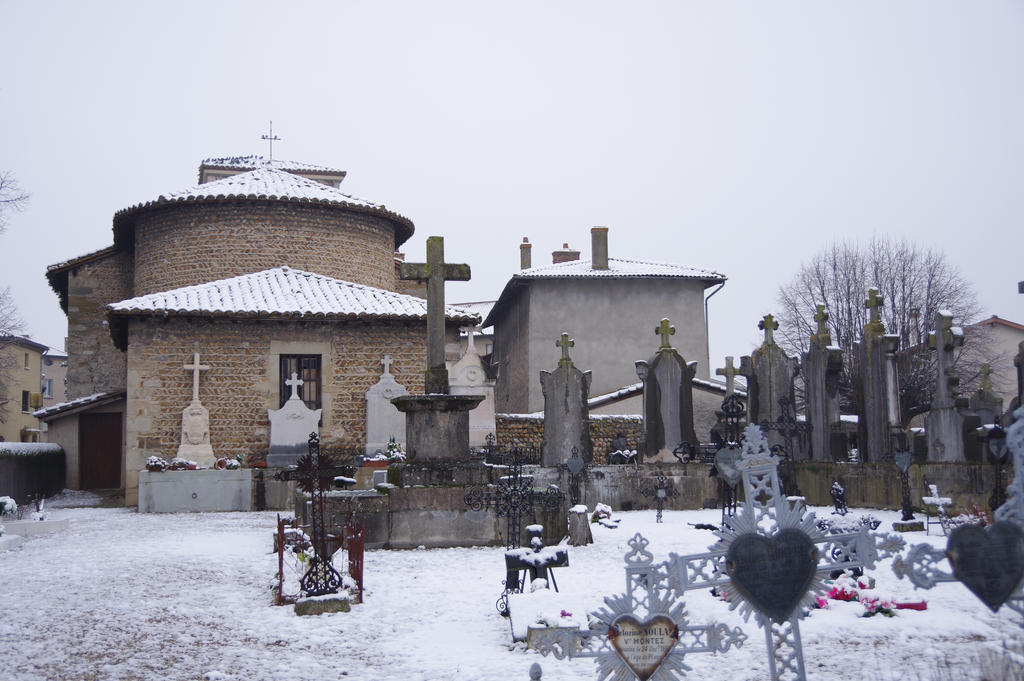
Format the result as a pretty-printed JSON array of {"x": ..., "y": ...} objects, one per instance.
[
  {"x": 945, "y": 339},
  {"x": 271, "y": 138},
  {"x": 821, "y": 337},
  {"x": 294, "y": 382},
  {"x": 769, "y": 326},
  {"x": 665, "y": 329},
  {"x": 565, "y": 343},
  {"x": 435, "y": 272},
  {"x": 387, "y": 364},
  {"x": 874, "y": 305},
  {"x": 729, "y": 371},
  {"x": 195, "y": 367}
]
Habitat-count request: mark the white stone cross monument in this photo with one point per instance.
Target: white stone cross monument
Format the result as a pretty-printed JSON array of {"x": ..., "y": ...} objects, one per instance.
[{"x": 195, "y": 422}]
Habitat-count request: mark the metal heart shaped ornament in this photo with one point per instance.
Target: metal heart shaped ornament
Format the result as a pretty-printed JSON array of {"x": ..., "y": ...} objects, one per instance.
[
  {"x": 903, "y": 460},
  {"x": 643, "y": 646},
  {"x": 727, "y": 461},
  {"x": 773, "y": 573},
  {"x": 989, "y": 561}
]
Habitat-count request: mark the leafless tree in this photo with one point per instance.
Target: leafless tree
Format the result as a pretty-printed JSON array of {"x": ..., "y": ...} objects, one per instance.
[
  {"x": 915, "y": 283},
  {"x": 11, "y": 199}
]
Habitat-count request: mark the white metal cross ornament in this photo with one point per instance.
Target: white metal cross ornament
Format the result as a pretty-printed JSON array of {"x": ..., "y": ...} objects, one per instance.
[
  {"x": 771, "y": 558},
  {"x": 643, "y": 633},
  {"x": 990, "y": 561}
]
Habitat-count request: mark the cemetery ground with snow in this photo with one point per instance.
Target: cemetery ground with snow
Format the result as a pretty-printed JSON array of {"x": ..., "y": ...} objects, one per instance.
[{"x": 122, "y": 595}]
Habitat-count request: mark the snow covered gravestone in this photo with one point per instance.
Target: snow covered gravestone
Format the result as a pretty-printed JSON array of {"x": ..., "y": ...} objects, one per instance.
[{"x": 290, "y": 427}]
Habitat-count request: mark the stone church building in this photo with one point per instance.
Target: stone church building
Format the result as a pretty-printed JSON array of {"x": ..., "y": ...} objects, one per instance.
[{"x": 263, "y": 269}]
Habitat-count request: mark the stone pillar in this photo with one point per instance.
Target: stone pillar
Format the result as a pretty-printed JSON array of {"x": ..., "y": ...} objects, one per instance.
[
  {"x": 566, "y": 422},
  {"x": 944, "y": 424},
  {"x": 822, "y": 365},
  {"x": 668, "y": 399},
  {"x": 878, "y": 401}
]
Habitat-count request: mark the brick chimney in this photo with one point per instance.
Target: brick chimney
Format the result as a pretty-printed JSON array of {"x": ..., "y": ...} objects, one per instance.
[
  {"x": 524, "y": 254},
  {"x": 599, "y": 248},
  {"x": 564, "y": 254}
]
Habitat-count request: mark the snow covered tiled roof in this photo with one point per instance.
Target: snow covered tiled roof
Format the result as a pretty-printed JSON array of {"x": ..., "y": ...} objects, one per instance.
[
  {"x": 95, "y": 399},
  {"x": 617, "y": 267},
  {"x": 263, "y": 184},
  {"x": 254, "y": 161},
  {"x": 285, "y": 292}
]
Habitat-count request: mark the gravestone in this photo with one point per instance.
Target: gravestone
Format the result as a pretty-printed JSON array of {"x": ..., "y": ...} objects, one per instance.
[
  {"x": 769, "y": 372},
  {"x": 822, "y": 365},
  {"x": 195, "y": 423},
  {"x": 566, "y": 418},
  {"x": 667, "y": 399},
  {"x": 878, "y": 399},
  {"x": 290, "y": 427},
  {"x": 468, "y": 376},
  {"x": 944, "y": 424},
  {"x": 436, "y": 424},
  {"x": 383, "y": 420}
]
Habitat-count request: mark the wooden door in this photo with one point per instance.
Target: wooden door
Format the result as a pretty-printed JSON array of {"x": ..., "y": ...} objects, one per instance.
[{"x": 99, "y": 451}]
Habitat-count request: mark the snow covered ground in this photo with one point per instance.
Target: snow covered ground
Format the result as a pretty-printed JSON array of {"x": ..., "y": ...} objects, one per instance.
[{"x": 121, "y": 595}]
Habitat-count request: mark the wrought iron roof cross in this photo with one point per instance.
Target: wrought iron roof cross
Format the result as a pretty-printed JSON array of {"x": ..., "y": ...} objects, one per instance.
[{"x": 271, "y": 138}]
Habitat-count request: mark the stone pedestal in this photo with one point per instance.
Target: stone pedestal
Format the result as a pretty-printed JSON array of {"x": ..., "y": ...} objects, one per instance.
[
  {"x": 195, "y": 435},
  {"x": 437, "y": 426}
]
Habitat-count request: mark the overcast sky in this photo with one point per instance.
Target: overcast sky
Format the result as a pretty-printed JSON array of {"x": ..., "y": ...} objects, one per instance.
[{"x": 741, "y": 137}]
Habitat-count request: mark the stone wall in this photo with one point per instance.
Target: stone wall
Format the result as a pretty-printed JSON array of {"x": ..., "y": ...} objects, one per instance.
[
  {"x": 521, "y": 430},
  {"x": 877, "y": 485},
  {"x": 94, "y": 364},
  {"x": 182, "y": 245},
  {"x": 242, "y": 381}
]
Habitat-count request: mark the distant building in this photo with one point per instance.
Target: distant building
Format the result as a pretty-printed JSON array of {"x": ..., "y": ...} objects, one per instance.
[
  {"x": 1004, "y": 339},
  {"x": 610, "y": 306},
  {"x": 53, "y": 380},
  {"x": 20, "y": 362}
]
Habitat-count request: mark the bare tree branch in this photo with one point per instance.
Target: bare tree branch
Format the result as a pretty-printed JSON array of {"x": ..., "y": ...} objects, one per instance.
[
  {"x": 11, "y": 197},
  {"x": 916, "y": 283}
]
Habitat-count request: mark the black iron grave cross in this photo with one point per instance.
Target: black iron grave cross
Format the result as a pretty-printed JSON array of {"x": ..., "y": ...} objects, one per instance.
[
  {"x": 660, "y": 490},
  {"x": 512, "y": 498},
  {"x": 315, "y": 473}
]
